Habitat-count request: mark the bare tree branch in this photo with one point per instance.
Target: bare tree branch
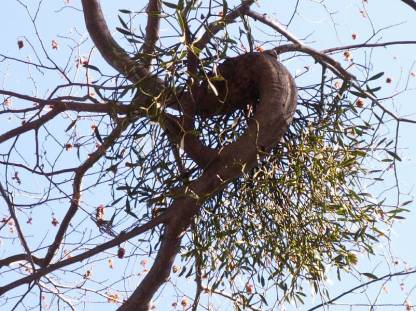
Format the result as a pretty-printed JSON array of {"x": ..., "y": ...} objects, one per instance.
[
  {"x": 16, "y": 223},
  {"x": 366, "y": 45},
  {"x": 122, "y": 237},
  {"x": 33, "y": 125},
  {"x": 265, "y": 19},
  {"x": 76, "y": 186},
  {"x": 152, "y": 30},
  {"x": 67, "y": 105},
  {"x": 19, "y": 257},
  {"x": 365, "y": 284}
]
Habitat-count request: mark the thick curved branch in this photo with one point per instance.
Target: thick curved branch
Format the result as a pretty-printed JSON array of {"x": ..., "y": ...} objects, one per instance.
[
  {"x": 105, "y": 43},
  {"x": 113, "y": 53},
  {"x": 274, "y": 113},
  {"x": 277, "y": 104},
  {"x": 189, "y": 141},
  {"x": 181, "y": 213},
  {"x": 410, "y": 3}
]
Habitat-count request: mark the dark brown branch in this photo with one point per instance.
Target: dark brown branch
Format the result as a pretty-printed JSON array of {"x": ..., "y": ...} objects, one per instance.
[
  {"x": 30, "y": 125},
  {"x": 122, "y": 237},
  {"x": 113, "y": 53},
  {"x": 152, "y": 30},
  {"x": 320, "y": 57},
  {"x": 189, "y": 141},
  {"x": 181, "y": 213},
  {"x": 19, "y": 257},
  {"x": 298, "y": 45},
  {"x": 12, "y": 212},
  {"x": 336, "y": 68},
  {"x": 410, "y": 3},
  {"x": 105, "y": 43},
  {"x": 198, "y": 274},
  {"x": 69, "y": 105},
  {"x": 59, "y": 107},
  {"x": 33, "y": 171}
]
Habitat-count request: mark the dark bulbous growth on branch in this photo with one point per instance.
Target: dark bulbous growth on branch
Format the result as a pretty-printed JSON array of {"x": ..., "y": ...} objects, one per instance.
[
  {"x": 256, "y": 81},
  {"x": 235, "y": 86}
]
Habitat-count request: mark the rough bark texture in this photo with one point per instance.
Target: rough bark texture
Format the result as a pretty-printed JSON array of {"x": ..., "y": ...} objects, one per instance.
[{"x": 236, "y": 91}]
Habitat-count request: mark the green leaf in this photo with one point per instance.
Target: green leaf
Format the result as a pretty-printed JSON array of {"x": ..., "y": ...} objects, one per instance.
[
  {"x": 406, "y": 203},
  {"x": 359, "y": 94},
  {"x": 376, "y": 89},
  {"x": 183, "y": 271},
  {"x": 170, "y": 5},
  {"x": 376, "y": 76},
  {"x": 124, "y": 11},
  {"x": 212, "y": 86},
  {"x": 128, "y": 209},
  {"x": 398, "y": 210},
  {"x": 394, "y": 155},
  {"x": 225, "y": 7},
  {"x": 71, "y": 125},
  {"x": 370, "y": 275},
  {"x": 91, "y": 67},
  {"x": 116, "y": 201},
  {"x": 124, "y": 31},
  {"x": 122, "y": 22},
  {"x": 98, "y": 135}
]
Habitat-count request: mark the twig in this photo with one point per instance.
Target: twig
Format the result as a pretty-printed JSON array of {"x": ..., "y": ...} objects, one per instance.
[
  {"x": 265, "y": 19},
  {"x": 387, "y": 276},
  {"x": 76, "y": 196},
  {"x": 367, "y": 45},
  {"x": 30, "y": 125},
  {"x": 22, "y": 239},
  {"x": 216, "y": 26}
]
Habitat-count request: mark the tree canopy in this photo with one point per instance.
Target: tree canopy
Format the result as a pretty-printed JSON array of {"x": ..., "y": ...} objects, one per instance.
[{"x": 183, "y": 143}]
